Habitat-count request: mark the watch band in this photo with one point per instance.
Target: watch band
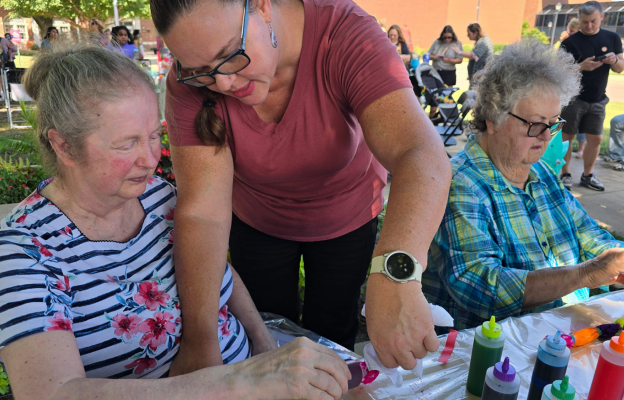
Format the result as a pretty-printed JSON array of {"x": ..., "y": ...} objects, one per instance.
[{"x": 378, "y": 264}]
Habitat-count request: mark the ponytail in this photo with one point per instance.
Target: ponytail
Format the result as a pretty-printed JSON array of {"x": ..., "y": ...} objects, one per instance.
[{"x": 208, "y": 125}]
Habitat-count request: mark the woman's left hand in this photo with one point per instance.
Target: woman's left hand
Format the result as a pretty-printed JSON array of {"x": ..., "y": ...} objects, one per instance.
[{"x": 455, "y": 48}]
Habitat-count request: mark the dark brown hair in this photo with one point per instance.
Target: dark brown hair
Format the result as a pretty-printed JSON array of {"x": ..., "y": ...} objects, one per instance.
[
  {"x": 448, "y": 29},
  {"x": 165, "y": 13},
  {"x": 476, "y": 28},
  {"x": 399, "y": 32}
]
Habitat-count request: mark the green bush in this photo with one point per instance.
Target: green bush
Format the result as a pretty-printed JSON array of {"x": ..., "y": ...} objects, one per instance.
[
  {"x": 26, "y": 143},
  {"x": 468, "y": 47},
  {"x": 18, "y": 180},
  {"x": 34, "y": 47},
  {"x": 498, "y": 48},
  {"x": 165, "y": 166},
  {"x": 527, "y": 32}
]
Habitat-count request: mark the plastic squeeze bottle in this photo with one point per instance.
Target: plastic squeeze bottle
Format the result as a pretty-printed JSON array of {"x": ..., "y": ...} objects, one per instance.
[
  {"x": 501, "y": 382},
  {"x": 487, "y": 350},
  {"x": 608, "y": 383},
  {"x": 551, "y": 364},
  {"x": 559, "y": 390}
]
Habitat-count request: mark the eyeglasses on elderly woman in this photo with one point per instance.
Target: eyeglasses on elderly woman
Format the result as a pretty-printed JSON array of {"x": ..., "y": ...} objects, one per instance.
[{"x": 537, "y": 128}]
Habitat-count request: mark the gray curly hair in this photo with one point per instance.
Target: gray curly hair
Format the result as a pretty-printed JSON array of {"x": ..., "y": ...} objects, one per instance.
[{"x": 523, "y": 69}]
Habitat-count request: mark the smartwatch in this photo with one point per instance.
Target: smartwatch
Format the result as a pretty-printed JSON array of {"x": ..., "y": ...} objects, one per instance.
[{"x": 398, "y": 266}]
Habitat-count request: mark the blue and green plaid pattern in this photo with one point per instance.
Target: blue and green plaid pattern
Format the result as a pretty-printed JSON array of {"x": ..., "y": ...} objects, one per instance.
[{"x": 493, "y": 234}]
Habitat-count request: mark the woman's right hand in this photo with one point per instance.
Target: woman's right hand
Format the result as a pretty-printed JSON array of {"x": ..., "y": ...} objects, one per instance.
[
  {"x": 299, "y": 370},
  {"x": 606, "y": 269},
  {"x": 455, "y": 48}
]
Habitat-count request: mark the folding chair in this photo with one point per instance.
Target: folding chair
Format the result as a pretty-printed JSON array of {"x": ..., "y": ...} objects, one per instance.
[{"x": 14, "y": 93}]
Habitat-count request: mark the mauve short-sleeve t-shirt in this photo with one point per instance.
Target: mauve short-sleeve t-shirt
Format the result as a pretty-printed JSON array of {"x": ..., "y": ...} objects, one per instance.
[{"x": 311, "y": 176}]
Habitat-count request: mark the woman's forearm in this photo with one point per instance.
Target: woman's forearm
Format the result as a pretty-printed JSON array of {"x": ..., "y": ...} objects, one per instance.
[
  {"x": 549, "y": 284},
  {"x": 405, "y": 57},
  {"x": 242, "y": 306},
  {"x": 200, "y": 256},
  {"x": 210, "y": 383}
]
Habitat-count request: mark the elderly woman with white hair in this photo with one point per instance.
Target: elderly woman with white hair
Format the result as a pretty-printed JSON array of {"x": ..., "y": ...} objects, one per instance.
[{"x": 513, "y": 240}]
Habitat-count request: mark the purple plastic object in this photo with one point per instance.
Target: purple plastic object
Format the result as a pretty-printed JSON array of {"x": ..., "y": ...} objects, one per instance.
[
  {"x": 505, "y": 372},
  {"x": 356, "y": 374}
]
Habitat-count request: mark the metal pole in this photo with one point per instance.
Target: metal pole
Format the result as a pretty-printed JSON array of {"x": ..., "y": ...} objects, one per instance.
[
  {"x": 116, "y": 11},
  {"x": 478, "y": 8},
  {"x": 552, "y": 37}
]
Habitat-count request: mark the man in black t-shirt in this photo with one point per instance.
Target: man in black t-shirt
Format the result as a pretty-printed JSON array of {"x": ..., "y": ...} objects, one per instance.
[{"x": 597, "y": 52}]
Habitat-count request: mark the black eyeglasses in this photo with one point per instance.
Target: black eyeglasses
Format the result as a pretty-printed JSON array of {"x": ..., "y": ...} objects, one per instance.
[
  {"x": 231, "y": 65},
  {"x": 537, "y": 128}
]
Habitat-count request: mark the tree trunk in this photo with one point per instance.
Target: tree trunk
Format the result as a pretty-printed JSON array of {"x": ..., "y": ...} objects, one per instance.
[{"x": 44, "y": 23}]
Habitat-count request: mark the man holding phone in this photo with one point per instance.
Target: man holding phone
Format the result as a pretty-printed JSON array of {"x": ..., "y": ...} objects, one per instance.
[{"x": 597, "y": 51}]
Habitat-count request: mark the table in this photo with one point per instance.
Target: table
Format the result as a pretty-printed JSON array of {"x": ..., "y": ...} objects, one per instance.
[{"x": 523, "y": 336}]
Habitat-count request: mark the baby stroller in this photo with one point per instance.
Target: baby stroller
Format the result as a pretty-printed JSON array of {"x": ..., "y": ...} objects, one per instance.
[{"x": 429, "y": 83}]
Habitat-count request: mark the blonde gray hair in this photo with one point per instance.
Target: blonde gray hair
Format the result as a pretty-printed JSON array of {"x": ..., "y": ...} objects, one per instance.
[
  {"x": 69, "y": 86},
  {"x": 522, "y": 70}
]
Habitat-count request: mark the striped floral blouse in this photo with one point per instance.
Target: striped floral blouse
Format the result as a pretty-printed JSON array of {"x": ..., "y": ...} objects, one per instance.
[{"x": 119, "y": 299}]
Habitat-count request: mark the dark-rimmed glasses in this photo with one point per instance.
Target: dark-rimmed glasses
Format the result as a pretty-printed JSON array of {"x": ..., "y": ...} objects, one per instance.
[
  {"x": 537, "y": 128},
  {"x": 447, "y": 37},
  {"x": 233, "y": 64}
]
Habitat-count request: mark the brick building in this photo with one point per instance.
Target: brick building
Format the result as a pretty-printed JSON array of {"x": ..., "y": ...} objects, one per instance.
[{"x": 501, "y": 19}]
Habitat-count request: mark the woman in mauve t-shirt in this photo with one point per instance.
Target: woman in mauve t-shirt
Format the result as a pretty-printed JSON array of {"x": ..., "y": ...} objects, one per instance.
[{"x": 283, "y": 153}]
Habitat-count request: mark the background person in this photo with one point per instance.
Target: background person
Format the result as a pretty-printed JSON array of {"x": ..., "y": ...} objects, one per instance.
[
  {"x": 573, "y": 27},
  {"x": 138, "y": 42},
  {"x": 96, "y": 30},
  {"x": 8, "y": 48},
  {"x": 396, "y": 37},
  {"x": 122, "y": 40},
  {"x": 444, "y": 58},
  {"x": 323, "y": 115},
  {"x": 513, "y": 240},
  {"x": 47, "y": 44},
  {"x": 586, "y": 113},
  {"x": 481, "y": 53},
  {"x": 86, "y": 262}
]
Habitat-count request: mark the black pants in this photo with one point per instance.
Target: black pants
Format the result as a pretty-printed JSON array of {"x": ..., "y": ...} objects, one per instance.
[
  {"x": 448, "y": 77},
  {"x": 335, "y": 270}
]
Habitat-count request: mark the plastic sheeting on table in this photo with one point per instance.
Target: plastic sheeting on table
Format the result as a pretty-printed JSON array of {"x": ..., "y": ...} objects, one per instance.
[
  {"x": 284, "y": 330},
  {"x": 523, "y": 335}
]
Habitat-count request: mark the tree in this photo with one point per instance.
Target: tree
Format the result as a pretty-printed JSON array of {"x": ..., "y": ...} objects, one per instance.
[
  {"x": 44, "y": 11},
  {"x": 527, "y": 31}
]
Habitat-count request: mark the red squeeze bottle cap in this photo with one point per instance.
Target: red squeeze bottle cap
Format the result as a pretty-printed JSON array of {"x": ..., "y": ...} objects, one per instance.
[{"x": 617, "y": 344}]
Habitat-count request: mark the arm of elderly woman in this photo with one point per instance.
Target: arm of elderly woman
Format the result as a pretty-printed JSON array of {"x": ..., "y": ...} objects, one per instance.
[
  {"x": 47, "y": 366},
  {"x": 403, "y": 140},
  {"x": 470, "y": 261},
  {"x": 241, "y": 305}
]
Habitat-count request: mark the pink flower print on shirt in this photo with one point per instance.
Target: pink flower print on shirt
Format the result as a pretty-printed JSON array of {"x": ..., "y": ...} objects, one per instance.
[
  {"x": 65, "y": 231},
  {"x": 223, "y": 314},
  {"x": 224, "y": 329},
  {"x": 156, "y": 329},
  {"x": 171, "y": 236},
  {"x": 42, "y": 249},
  {"x": 150, "y": 296},
  {"x": 30, "y": 200},
  {"x": 21, "y": 219},
  {"x": 169, "y": 216},
  {"x": 58, "y": 323},
  {"x": 64, "y": 285},
  {"x": 151, "y": 180},
  {"x": 141, "y": 365},
  {"x": 126, "y": 325}
]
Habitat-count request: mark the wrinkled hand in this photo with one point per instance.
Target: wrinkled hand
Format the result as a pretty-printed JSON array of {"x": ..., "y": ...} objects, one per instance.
[
  {"x": 399, "y": 322},
  {"x": 299, "y": 370},
  {"x": 589, "y": 64},
  {"x": 611, "y": 58},
  {"x": 190, "y": 358},
  {"x": 606, "y": 269}
]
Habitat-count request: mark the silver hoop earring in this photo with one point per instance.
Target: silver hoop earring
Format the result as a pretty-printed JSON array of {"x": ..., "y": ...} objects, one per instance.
[{"x": 273, "y": 37}]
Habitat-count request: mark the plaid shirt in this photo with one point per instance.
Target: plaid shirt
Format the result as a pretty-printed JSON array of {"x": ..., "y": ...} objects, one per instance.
[{"x": 493, "y": 234}]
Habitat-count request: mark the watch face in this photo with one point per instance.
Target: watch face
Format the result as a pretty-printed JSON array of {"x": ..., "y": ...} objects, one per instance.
[{"x": 400, "y": 266}]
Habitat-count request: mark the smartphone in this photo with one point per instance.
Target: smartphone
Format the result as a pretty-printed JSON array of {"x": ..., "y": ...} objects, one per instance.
[{"x": 600, "y": 58}]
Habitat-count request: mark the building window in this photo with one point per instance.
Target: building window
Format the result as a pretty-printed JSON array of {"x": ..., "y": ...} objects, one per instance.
[
  {"x": 611, "y": 19},
  {"x": 64, "y": 29},
  {"x": 539, "y": 21}
]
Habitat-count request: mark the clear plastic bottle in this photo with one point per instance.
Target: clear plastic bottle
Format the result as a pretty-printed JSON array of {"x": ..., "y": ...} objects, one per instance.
[
  {"x": 551, "y": 364},
  {"x": 608, "y": 383},
  {"x": 559, "y": 390},
  {"x": 487, "y": 350},
  {"x": 501, "y": 382}
]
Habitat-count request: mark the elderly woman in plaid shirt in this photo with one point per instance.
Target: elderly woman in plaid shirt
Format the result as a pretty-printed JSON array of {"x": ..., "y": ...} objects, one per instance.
[{"x": 513, "y": 240}]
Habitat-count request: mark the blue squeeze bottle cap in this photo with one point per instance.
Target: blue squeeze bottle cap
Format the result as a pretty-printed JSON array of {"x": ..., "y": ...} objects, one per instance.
[{"x": 555, "y": 343}]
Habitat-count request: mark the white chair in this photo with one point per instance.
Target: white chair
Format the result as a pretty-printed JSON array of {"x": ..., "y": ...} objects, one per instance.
[{"x": 14, "y": 93}]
